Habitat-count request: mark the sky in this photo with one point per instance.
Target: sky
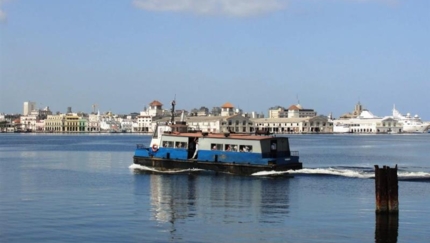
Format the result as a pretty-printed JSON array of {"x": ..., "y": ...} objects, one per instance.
[{"x": 327, "y": 55}]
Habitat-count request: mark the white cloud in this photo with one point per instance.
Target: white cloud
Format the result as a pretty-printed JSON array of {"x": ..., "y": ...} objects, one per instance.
[
  {"x": 237, "y": 8},
  {"x": 3, "y": 15}
]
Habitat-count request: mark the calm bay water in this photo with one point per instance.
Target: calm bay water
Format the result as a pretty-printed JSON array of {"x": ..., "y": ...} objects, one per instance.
[{"x": 79, "y": 188}]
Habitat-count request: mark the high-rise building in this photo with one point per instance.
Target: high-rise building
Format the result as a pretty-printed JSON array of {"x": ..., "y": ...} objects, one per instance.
[{"x": 28, "y": 107}]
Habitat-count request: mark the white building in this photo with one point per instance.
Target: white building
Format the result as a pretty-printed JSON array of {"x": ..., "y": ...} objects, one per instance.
[
  {"x": 126, "y": 124},
  {"x": 297, "y": 111},
  {"x": 294, "y": 111},
  {"x": 278, "y": 112},
  {"x": 205, "y": 124},
  {"x": 294, "y": 125},
  {"x": 28, "y": 122},
  {"x": 94, "y": 122},
  {"x": 155, "y": 109},
  {"x": 29, "y": 106},
  {"x": 144, "y": 124}
]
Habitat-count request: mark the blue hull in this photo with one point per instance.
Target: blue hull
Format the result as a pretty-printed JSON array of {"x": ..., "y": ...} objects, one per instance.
[{"x": 218, "y": 161}]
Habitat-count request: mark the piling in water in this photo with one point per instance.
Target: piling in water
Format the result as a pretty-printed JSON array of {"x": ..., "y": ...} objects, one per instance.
[
  {"x": 387, "y": 228},
  {"x": 386, "y": 190}
]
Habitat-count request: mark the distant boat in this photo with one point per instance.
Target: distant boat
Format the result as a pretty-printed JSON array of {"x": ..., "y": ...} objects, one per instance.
[
  {"x": 367, "y": 123},
  {"x": 411, "y": 124},
  {"x": 341, "y": 128}
]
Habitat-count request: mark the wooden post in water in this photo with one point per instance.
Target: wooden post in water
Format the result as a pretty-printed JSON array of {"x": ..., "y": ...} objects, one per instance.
[
  {"x": 387, "y": 204},
  {"x": 386, "y": 190}
]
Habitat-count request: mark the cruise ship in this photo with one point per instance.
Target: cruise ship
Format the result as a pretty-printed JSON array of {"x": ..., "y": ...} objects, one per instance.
[
  {"x": 411, "y": 124},
  {"x": 366, "y": 122}
]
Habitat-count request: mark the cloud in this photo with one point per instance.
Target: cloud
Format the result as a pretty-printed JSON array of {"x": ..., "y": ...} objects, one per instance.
[
  {"x": 3, "y": 15},
  {"x": 235, "y": 8}
]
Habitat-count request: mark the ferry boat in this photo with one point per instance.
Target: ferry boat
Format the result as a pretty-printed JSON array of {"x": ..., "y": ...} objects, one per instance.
[{"x": 175, "y": 147}]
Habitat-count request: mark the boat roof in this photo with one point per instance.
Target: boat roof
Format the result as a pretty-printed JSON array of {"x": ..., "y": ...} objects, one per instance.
[{"x": 244, "y": 136}]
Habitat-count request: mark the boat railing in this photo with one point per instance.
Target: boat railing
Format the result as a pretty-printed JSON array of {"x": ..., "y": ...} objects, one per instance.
[{"x": 141, "y": 146}]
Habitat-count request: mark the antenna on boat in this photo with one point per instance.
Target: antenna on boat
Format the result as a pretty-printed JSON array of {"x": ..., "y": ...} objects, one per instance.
[{"x": 172, "y": 119}]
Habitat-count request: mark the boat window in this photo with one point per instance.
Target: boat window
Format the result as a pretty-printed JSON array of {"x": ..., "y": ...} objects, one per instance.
[
  {"x": 245, "y": 148},
  {"x": 216, "y": 146},
  {"x": 168, "y": 144},
  {"x": 181, "y": 145},
  {"x": 231, "y": 147}
]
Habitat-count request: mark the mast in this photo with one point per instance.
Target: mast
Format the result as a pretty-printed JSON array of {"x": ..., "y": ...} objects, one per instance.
[{"x": 172, "y": 119}]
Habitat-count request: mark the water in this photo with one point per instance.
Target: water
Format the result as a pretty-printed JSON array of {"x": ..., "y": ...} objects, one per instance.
[{"x": 79, "y": 188}]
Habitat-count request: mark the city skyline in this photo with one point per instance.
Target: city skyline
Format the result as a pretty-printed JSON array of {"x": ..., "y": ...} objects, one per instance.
[
  {"x": 326, "y": 55},
  {"x": 95, "y": 109}
]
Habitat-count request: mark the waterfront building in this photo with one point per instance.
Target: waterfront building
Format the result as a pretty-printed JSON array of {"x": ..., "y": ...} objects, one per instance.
[
  {"x": 109, "y": 123},
  {"x": 294, "y": 125},
  {"x": 144, "y": 124},
  {"x": 28, "y": 122},
  {"x": 32, "y": 121},
  {"x": 6, "y": 125},
  {"x": 83, "y": 124},
  {"x": 94, "y": 122},
  {"x": 55, "y": 123},
  {"x": 215, "y": 124},
  {"x": 74, "y": 123},
  {"x": 205, "y": 124},
  {"x": 126, "y": 124},
  {"x": 110, "y": 126},
  {"x": 236, "y": 123},
  {"x": 40, "y": 126}
]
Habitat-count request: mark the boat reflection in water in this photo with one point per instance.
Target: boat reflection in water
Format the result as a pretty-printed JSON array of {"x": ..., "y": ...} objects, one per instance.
[{"x": 216, "y": 200}]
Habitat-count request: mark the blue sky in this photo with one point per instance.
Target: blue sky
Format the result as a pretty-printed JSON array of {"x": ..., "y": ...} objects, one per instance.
[{"x": 255, "y": 54}]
